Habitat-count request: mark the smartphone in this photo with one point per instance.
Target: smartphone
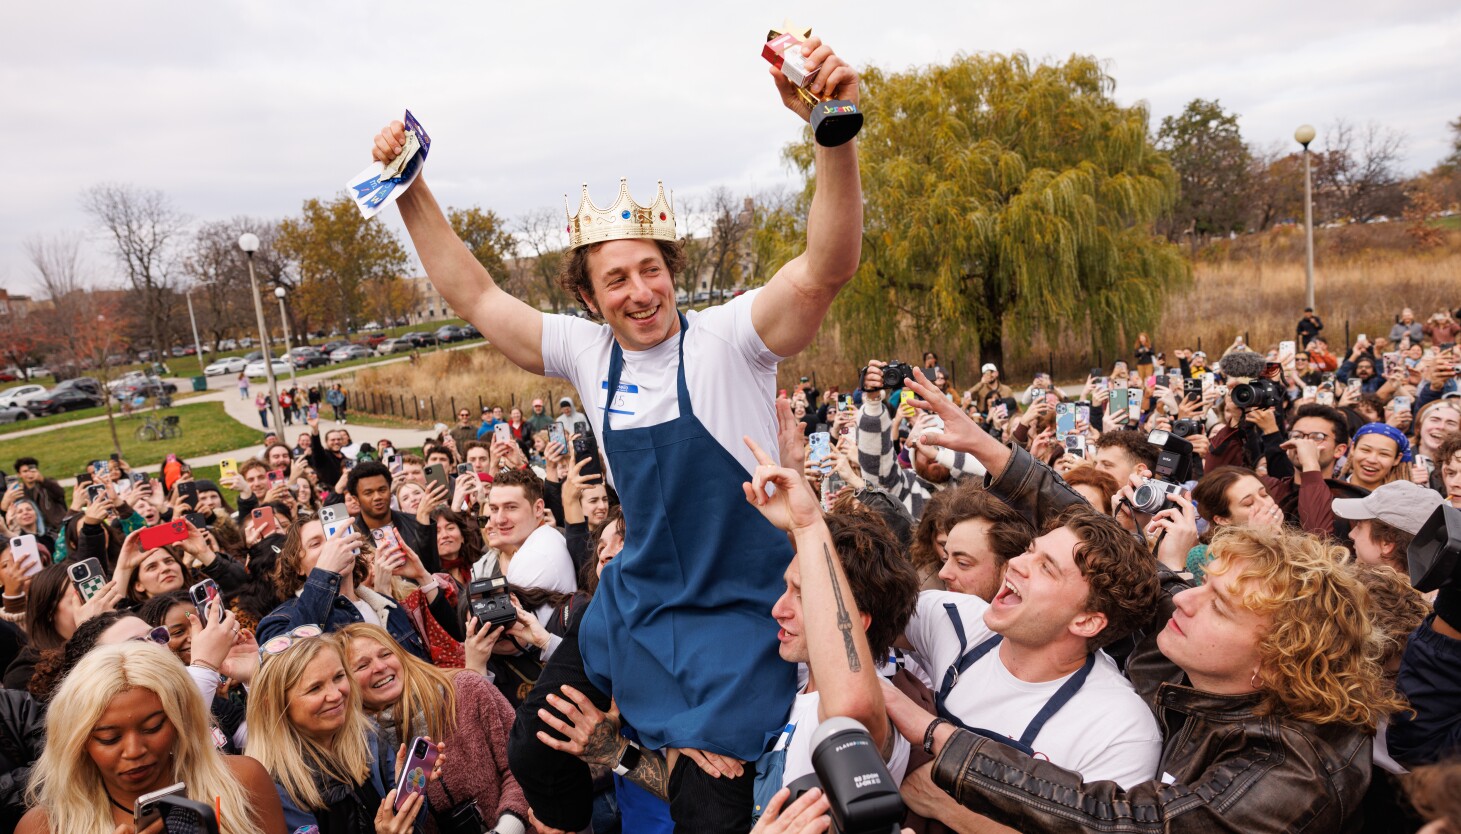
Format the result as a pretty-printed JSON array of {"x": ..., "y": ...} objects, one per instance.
[
  {"x": 502, "y": 433},
  {"x": 555, "y": 435},
  {"x": 1103, "y": 383},
  {"x": 585, "y": 447},
  {"x": 395, "y": 463},
  {"x": 1174, "y": 380},
  {"x": 1119, "y": 402},
  {"x": 1311, "y": 391},
  {"x": 337, "y": 522},
  {"x": 188, "y": 491},
  {"x": 264, "y": 518},
  {"x": 275, "y": 476},
  {"x": 313, "y": 411},
  {"x": 86, "y": 575},
  {"x": 1133, "y": 410},
  {"x": 95, "y": 491},
  {"x": 158, "y": 535},
  {"x": 1325, "y": 398},
  {"x": 1097, "y": 372},
  {"x": 228, "y": 468},
  {"x": 1400, "y": 403},
  {"x": 347, "y": 464},
  {"x": 198, "y": 520},
  {"x": 1075, "y": 444},
  {"x": 383, "y": 536},
  {"x": 1354, "y": 385},
  {"x": 436, "y": 473},
  {"x": 1036, "y": 394},
  {"x": 1192, "y": 390},
  {"x": 26, "y": 553},
  {"x": 201, "y": 594},
  {"x": 844, "y": 404},
  {"x": 1286, "y": 349},
  {"x": 1001, "y": 410},
  {"x": 420, "y": 759},
  {"x": 146, "y": 811},
  {"x": 464, "y": 468},
  {"x": 1064, "y": 419},
  {"x": 1083, "y": 413},
  {"x": 100, "y": 468},
  {"x": 821, "y": 449}
]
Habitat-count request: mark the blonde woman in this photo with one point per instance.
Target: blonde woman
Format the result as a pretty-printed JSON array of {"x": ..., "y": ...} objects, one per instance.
[
  {"x": 128, "y": 721},
  {"x": 307, "y": 728},
  {"x": 407, "y": 697}
]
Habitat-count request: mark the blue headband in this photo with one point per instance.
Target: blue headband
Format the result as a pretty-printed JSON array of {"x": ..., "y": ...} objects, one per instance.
[{"x": 1386, "y": 431}]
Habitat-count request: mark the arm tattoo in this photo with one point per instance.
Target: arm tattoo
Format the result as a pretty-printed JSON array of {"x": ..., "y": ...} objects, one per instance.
[
  {"x": 652, "y": 774},
  {"x": 844, "y": 619}
]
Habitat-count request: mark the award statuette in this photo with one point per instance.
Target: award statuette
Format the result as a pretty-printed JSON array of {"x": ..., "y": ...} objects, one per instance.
[{"x": 833, "y": 122}]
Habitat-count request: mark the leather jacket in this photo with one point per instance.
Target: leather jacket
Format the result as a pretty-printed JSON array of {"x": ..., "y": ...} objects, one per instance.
[
  {"x": 22, "y": 735},
  {"x": 1223, "y": 768}
]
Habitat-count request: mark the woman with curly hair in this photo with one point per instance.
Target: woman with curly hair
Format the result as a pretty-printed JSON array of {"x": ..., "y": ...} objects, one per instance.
[
  {"x": 1266, "y": 677},
  {"x": 126, "y": 722}
]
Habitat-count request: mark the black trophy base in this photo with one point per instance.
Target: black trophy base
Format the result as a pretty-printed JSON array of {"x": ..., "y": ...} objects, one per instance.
[{"x": 835, "y": 122}]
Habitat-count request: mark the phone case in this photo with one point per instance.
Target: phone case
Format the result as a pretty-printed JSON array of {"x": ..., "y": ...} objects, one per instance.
[
  {"x": 146, "y": 810},
  {"x": 416, "y": 770},
  {"x": 86, "y": 575},
  {"x": 201, "y": 594},
  {"x": 265, "y": 517},
  {"x": 158, "y": 535},
  {"x": 26, "y": 554},
  {"x": 821, "y": 447},
  {"x": 228, "y": 468}
]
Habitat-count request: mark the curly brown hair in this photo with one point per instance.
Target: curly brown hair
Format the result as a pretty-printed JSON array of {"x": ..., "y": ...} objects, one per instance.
[
  {"x": 1435, "y": 791},
  {"x": 883, "y": 583},
  {"x": 1121, "y": 573},
  {"x": 1395, "y": 605},
  {"x": 1009, "y": 534},
  {"x": 573, "y": 274},
  {"x": 924, "y": 550},
  {"x": 287, "y": 578},
  {"x": 1320, "y": 658}
]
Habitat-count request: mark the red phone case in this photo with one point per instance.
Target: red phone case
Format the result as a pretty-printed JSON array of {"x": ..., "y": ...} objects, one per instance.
[{"x": 169, "y": 532}]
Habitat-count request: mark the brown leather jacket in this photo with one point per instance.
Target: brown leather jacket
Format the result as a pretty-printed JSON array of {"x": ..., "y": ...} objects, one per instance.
[{"x": 1223, "y": 768}]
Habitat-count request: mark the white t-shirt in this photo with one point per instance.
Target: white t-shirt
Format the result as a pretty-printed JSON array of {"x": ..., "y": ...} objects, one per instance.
[
  {"x": 799, "y": 749},
  {"x": 367, "y": 613},
  {"x": 730, "y": 373},
  {"x": 1105, "y": 732},
  {"x": 543, "y": 562}
]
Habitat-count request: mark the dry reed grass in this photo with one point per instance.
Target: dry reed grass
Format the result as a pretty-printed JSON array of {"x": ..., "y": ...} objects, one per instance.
[{"x": 457, "y": 379}]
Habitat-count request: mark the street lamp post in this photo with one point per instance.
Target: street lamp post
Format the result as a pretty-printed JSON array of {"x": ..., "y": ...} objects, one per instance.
[
  {"x": 197, "y": 343},
  {"x": 284, "y": 319},
  {"x": 249, "y": 243},
  {"x": 1304, "y": 135}
]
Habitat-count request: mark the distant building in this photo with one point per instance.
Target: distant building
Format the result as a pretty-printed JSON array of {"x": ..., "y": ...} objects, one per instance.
[{"x": 430, "y": 306}]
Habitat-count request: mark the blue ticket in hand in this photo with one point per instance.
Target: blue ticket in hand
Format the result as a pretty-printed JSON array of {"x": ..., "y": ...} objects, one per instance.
[{"x": 380, "y": 184}]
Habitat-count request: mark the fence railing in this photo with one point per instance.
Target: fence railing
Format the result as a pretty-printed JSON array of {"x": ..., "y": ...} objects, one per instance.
[{"x": 438, "y": 408}]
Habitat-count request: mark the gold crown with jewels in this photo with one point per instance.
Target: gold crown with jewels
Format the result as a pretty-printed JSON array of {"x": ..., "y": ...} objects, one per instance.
[{"x": 625, "y": 219}]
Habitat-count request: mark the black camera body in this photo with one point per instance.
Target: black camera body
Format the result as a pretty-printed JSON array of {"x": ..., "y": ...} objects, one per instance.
[
  {"x": 852, "y": 774},
  {"x": 490, "y": 602},
  {"x": 1174, "y": 467},
  {"x": 896, "y": 374},
  {"x": 1434, "y": 557},
  {"x": 1260, "y": 393},
  {"x": 1186, "y": 428}
]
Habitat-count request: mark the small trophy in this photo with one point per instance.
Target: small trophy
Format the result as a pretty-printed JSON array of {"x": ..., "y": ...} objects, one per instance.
[{"x": 833, "y": 122}]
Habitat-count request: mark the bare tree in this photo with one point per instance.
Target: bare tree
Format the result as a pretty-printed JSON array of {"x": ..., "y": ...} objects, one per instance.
[
  {"x": 61, "y": 273},
  {"x": 142, "y": 224},
  {"x": 540, "y": 243},
  {"x": 219, "y": 272},
  {"x": 1356, "y": 175}
]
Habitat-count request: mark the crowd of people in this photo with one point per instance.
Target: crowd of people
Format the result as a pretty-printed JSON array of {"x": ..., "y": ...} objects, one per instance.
[{"x": 1179, "y": 598}]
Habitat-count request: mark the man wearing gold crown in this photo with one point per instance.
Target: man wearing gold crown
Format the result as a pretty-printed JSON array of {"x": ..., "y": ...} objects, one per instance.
[{"x": 680, "y": 631}]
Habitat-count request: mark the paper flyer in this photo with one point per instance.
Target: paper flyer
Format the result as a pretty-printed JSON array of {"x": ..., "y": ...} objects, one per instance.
[{"x": 379, "y": 184}]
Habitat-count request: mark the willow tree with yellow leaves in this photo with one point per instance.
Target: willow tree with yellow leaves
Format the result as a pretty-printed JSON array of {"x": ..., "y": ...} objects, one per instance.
[{"x": 1004, "y": 199}]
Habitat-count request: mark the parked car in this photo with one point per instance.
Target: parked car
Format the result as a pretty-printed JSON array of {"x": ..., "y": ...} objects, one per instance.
[
  {"x": 307, "y": 357},
  {"x": 471, "y": 332},
  {"x": 373, "y": 340},
  {"x": 399, "y": 345},
  {"x": 60, "y": 399},
  {"x": 145, "y": 387},
  {"x": 255, "y": 370},
  {"x": 333, "y": 345},
  {"x": 82, "y": 383},
  {"x": 228, "y": 344},
  {"x": 20, "y": 395},
  {"x": 349, "y": 352},
  {"x": 37, "y": 371},
  {"x": 449, "y": 333},
  {"x": 421, "y": 338},
  {"x": 253, "y": 356},
  {"x": 14, "y": 414},
  {"x": 229, "y": 365}
]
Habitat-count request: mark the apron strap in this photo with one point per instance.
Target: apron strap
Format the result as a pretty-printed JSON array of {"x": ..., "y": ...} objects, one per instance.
[
  {"x": 1061, "y": 697},
  {"x": 966, "y": 659},
  {"x": 616, "y": 370}
]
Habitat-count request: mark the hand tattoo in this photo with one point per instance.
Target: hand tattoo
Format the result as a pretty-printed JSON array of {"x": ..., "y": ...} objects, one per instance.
[
  {"x": 844, "y": 619},
  {"x": 603, "y": 744}
]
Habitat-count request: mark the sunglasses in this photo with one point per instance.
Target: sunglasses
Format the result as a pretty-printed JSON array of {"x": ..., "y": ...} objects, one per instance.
[
  {"x": 158, "y": 635},
  {"x": 277, "y": 645}
]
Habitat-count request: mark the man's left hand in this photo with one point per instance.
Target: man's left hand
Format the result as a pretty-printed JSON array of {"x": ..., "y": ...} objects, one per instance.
[{"x": 834, "y": 79}]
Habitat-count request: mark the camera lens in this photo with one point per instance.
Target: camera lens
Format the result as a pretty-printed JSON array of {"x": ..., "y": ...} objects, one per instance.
[
  {"x": 1149, "y": 498},
  {"x": 420, "y": 748}
]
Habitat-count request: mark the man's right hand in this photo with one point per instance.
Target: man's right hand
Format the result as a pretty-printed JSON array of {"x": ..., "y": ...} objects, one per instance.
[
  {"x": 389, "y": 142},
  {"x": 872, "y": 380},
  {"x": 338, "y": 554}
]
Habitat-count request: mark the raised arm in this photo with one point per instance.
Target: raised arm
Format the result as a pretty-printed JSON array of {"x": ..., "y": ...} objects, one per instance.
[
  {"x": 512, "y": 326},
  {"x": 790, "y": 308}
]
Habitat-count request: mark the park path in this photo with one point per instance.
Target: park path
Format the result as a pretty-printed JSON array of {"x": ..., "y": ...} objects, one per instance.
[{"x": 224, "y": 389}]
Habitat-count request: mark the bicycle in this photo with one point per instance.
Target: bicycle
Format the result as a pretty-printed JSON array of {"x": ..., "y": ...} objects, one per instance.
[{"x": 153, "y": 429}]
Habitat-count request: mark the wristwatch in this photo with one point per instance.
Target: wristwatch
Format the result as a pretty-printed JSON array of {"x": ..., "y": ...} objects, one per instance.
[{"x": 628, "y": 759}]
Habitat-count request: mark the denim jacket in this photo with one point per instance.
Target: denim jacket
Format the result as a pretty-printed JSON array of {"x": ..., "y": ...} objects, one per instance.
[{"x": 319, "y": 602}]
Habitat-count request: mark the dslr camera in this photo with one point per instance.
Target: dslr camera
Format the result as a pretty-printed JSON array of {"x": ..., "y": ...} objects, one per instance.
[
  {"x": 1174, "y": 467},
  {"x": 1260, "y": 393},
  {"x": 1434, "y": 557},
  {"x": 1186, "y": 428},
  {"x": 895, "y": 374},
  {"x": 490, "y": 601},
  {"x": 847, "y": 767}
]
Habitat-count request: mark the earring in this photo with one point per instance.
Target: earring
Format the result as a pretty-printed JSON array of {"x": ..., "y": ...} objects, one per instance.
[{"x": 1253, "y": 681}]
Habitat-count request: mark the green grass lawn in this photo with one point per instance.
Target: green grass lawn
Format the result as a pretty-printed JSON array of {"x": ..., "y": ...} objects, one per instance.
[
  {"x": 64, "y": 452},
  {"x": 1452, "y": 222}
]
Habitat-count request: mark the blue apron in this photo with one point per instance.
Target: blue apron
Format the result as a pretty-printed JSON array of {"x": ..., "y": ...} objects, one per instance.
[
  {"x": 680, "y": 629},
  {"x": 1026, "y": 740}
]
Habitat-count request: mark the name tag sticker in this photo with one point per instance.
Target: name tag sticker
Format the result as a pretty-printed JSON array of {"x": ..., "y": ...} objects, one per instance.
[{"x": 624, "y": 399}]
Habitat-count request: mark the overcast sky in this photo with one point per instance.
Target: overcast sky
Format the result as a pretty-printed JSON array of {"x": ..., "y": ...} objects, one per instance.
[{"x": 250, "y": 108}]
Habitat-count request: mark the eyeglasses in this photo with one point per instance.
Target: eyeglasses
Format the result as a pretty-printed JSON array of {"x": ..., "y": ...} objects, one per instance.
[
  {"x": 158, "y": 635},
  {"x": 276, "y": 645},
  {"x": 1316, "y": 436}
]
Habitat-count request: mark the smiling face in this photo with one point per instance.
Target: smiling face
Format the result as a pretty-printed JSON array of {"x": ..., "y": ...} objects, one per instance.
[
  {"x": 971, "y": 566},
  {"x": 1211, "y": 636},
  {"x": 179, "y": 635},
  {"x": 131, "y": 742},
  {"x": 611, "y": 541},
  {"x": 377, "y": 671},
  {"x": 1440, "y": 421},
  {"x": 1043, "y": 596},
  {"x": 514, "y": 518},
  {"x": 159, "y": 573},
  {"x": 448, "y": 539},
  {"x": 278, "y": 457},
  {"x": 319, "y": 700},
  {"x": 595, "y": 503},
  {"x": 633, "y": 292},
  {"x": 1372, "y": 459}
]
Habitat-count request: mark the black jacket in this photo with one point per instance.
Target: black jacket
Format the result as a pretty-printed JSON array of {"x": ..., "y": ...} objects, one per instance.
[{"x": 22, "y": 735}]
